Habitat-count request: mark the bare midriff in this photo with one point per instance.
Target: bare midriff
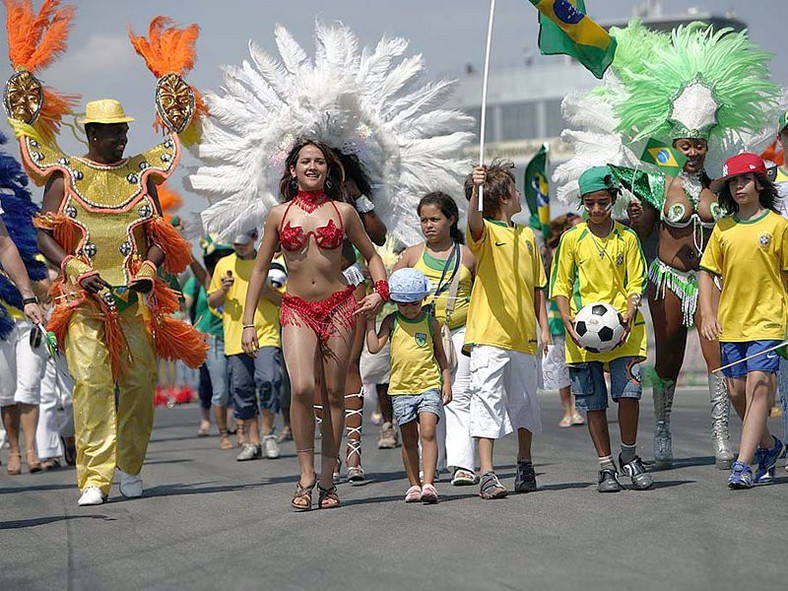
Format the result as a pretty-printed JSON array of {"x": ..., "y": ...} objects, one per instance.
[{"x": 677, "y": 245}]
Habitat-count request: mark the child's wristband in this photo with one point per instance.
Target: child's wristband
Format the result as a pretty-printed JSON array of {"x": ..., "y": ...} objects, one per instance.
[{"x": 382, "y": 289}]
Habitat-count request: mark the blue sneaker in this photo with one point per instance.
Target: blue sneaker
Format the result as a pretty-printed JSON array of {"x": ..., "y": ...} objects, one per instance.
[
  {"x": 767, "y": 462},
  {"x": 741, "y": 476}
]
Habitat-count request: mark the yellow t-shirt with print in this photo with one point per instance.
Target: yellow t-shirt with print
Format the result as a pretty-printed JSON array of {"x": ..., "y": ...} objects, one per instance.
[
  {"x": 589, "y": 269},
  {"x": 413, "y": 366},
  {"x": 266, "y": 317},
  {"x": 752, "y": 258},
  {"x": 433, "y": 269},
  {"x": 508, "y": 269}
]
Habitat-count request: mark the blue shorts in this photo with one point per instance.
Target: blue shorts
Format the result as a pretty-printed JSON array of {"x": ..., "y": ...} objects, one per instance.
[
  {"x": 769, "y": 362},
  {"x": 589, "y": 387},
  {"x": 408, "y": 406}
]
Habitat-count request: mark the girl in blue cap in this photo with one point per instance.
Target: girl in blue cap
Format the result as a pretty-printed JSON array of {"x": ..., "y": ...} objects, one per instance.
[{"x": 420, "y": 376}]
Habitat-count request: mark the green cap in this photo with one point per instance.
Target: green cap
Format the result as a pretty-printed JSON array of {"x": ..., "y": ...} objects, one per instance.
[
  {"x": 598, "y": 178},
  {"x": 782, "y": 121},
  {"x": 210, "y": 244}
]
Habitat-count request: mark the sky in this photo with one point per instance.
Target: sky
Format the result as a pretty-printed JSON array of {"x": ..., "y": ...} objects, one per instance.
[{"x": 100, "y": 62}]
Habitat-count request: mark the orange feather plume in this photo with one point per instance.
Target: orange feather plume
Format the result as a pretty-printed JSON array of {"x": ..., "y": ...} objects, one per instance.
[
  {"x": 177, "y": 250},
  {"x": 774, "y": 153},
  {"x": 169, "y": 200},
  {"x": 167, "y": 49},
  {"x": 35, "y": 40}
]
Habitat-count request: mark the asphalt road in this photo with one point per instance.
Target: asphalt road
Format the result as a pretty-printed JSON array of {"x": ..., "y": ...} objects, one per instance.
[{"x": 208, "y": 522}]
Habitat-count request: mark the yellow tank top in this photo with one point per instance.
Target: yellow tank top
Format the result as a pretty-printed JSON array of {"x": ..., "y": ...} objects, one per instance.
[
  {"x": 432, "y": 268},
  {"x": 413, "y": 366}
]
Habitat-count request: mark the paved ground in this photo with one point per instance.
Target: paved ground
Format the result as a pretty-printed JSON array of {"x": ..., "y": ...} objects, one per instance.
[{"x": 208, "y": 522}]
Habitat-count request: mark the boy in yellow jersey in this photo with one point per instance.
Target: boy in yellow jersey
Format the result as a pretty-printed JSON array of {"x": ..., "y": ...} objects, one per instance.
[
  {"x": 600, "y": 260},
  {"x": 420, "y": 376},
  {"x": 506, "y": 300},
  {"x": 250, "y": 377},
  {"x": 749, "y": 251}
]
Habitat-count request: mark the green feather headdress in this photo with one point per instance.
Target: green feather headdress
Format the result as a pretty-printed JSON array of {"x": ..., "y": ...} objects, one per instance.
[{"x": 703, "y": 84}]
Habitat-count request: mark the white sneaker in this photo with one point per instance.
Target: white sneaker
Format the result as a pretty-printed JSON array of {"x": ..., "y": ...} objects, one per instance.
[
  {"x": 270, "y": 447},
  {"x": 130, "y": 486},
  {"x": 91, "y": 496}
]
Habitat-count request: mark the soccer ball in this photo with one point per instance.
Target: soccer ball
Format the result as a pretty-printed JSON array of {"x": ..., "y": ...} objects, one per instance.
[{"x": 599, "y": 327}]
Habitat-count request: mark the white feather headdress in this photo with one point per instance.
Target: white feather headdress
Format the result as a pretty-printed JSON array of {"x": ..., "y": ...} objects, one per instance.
[{"x": 367, "y": 103}]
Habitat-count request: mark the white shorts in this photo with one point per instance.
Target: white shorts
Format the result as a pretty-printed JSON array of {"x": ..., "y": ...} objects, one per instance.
[
  {"x": 554, "y": 369},
  {"x": 375, "y": 369},
  {"x": 503, "y": 392},
  {"x": 21, "y": 366}
]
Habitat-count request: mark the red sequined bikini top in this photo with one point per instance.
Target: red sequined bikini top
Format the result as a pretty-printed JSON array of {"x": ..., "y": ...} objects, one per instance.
[{"x": 327, "y": 237}]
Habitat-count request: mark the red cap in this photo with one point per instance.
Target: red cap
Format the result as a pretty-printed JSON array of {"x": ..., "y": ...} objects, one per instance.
[{"x": 736, "y": 165}]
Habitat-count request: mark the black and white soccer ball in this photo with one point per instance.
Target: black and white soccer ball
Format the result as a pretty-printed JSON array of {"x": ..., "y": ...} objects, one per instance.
[{"x": 599, "y": 327}]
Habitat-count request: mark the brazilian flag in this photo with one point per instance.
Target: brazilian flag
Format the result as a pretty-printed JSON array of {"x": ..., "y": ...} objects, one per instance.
[
  {"x": 565, "y": 29},
  {"x": 664, "y": 157},
  {"x": 537, "y": 191}
]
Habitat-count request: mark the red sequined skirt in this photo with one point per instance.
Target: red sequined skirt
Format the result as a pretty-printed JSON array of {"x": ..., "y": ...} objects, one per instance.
[{"x": 327, "y": 318}]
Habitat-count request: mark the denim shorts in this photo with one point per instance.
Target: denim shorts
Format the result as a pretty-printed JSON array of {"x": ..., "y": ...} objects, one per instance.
[
  {"x": 253, "y": 377},
  {"x": 589, "y": 387},
  {"x": 769, "y": 362},
  {"x": 408, "y": 406}
]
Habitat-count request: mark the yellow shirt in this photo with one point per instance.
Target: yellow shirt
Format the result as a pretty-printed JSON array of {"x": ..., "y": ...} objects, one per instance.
[
  {"x": 433, "y": 269},
  {"x": 589, "y": 269},
  {"x": 508, "y": 270},
  {"x": 413, "y": 366},
  {"x": 752, "y": 259},
  {"x": 266, "y": 317},
  {"x": 782, "y": 175}
]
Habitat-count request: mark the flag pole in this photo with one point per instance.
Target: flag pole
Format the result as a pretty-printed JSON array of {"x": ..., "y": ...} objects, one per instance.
[
  {"x": 764, "y": 352},
  {"x": 483, "y": 123}
]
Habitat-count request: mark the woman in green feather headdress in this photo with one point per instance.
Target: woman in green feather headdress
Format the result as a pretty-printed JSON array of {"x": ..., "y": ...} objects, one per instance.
[{"x": 703, "y": 92}]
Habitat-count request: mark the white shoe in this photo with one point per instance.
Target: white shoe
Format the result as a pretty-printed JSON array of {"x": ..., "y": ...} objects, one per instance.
[
  {"x": 130, "y": 486},
  {"x": 270, "y": 447},
  {"x": 91, "y": 496}
]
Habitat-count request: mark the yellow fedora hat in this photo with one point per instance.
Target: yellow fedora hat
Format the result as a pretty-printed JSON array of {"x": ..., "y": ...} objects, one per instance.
[{"x": 105, "y": 111}]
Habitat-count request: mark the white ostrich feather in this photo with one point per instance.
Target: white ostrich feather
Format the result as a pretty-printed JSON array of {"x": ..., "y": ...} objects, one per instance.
[{"x": 371, "y": 103}]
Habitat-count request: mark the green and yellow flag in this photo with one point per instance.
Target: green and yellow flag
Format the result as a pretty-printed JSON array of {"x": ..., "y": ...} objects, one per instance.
[
  {"x": 565, "y": 29},
  {"x": 537, "y": 191},
  {"x": 664, "y": 157}
]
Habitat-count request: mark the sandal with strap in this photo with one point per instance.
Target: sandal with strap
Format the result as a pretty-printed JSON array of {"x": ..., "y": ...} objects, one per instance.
[
  {"x": 327, "y": 494},
  {"x": 33, "y": 463},
  {"x": 14, "y": 464},
  {"x": 224, "y": 441},
  {"x": 355, "y": 474},
  {"x": 303, "y": 493}
]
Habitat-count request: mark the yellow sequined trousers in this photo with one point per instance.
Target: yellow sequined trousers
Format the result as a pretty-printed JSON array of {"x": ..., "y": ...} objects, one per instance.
[{"x": 110, "y": 435}]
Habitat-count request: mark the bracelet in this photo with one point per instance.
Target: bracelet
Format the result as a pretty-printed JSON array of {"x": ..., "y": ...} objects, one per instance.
[
  {"x": 245, "y": 326},
  {"x": 26, "y": 301},
  {"x": 364, "y": 204},
  {"x": 382, "y": 289}
]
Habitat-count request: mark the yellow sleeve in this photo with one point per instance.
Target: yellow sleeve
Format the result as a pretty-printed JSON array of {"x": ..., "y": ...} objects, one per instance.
[
  {"x": 637, "y": 278},
  {"x": 712, "y": 258},
  {"x": 540, "y": 280},
  {"x": 562, "y": 279},
  {"x": 784, "y": 249},
  {"x": 475, "y": 246}
]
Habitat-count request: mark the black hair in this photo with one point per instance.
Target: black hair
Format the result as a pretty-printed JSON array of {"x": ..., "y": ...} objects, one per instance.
[
  {"x": 353, "y": 170},
  {"x": 449, "y": 208},
  {"x": 767, "y": 196},
  {"x": 334, "y": 179}
]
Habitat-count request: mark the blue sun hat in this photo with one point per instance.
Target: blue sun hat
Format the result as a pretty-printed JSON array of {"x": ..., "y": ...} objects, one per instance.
[{"x": 408, "y": 285}]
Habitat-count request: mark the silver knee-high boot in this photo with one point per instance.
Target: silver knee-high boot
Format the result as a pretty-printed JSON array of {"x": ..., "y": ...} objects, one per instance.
[
  {"x": 663, "y": 403},
  {"x": 720, "y": 415}
]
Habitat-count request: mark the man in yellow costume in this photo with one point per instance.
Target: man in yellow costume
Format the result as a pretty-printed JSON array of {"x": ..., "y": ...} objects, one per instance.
[{"x": 101, "y": 223}]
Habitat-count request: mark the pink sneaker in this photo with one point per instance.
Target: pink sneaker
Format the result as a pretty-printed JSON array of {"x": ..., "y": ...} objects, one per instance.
[
  {"x": 429, "y": 494},
  {"x": 413, "y": 495}
]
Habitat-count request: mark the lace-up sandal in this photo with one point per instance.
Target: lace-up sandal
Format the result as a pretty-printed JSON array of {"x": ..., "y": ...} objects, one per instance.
[
  {"x": 302, "y": 499},
  {"x": 327, "y": 498}
]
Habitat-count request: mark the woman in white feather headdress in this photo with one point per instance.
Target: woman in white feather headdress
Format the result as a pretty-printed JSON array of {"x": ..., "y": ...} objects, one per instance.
[{"x": 369, "y": 106}]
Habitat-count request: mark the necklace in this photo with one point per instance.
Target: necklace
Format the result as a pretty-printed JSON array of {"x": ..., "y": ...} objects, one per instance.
[
  {"x": 692, "y": 183},
  {"x": 602, "y": 249},
  {"x": 309, "y": 201}
]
